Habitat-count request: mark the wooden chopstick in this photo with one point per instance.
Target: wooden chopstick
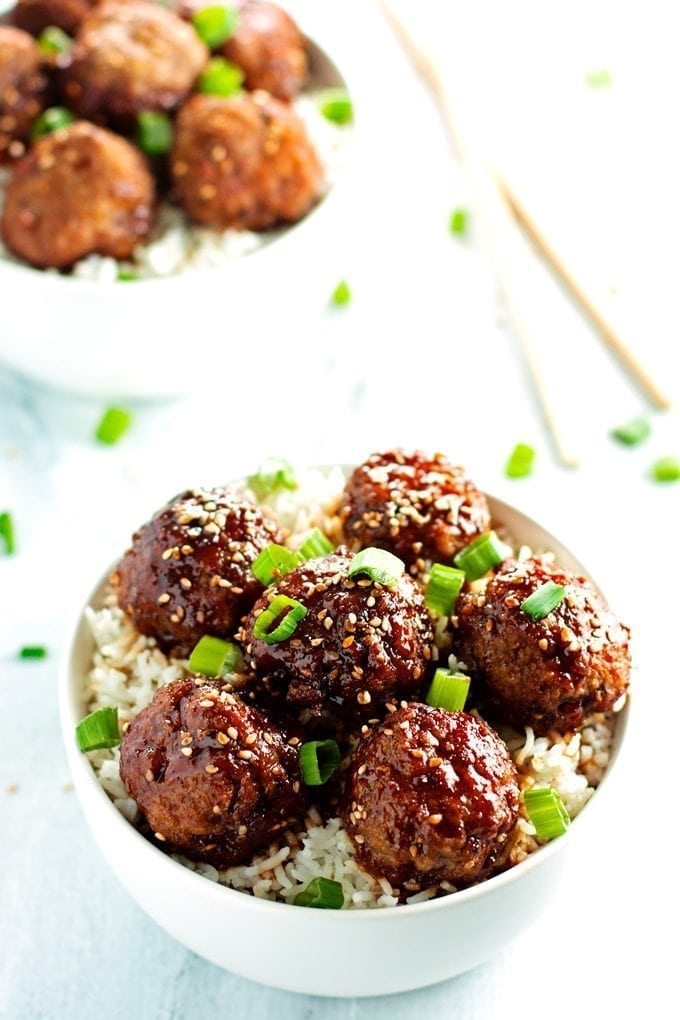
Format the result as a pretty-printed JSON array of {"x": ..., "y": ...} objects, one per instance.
[{"x": 639, "y": 375}]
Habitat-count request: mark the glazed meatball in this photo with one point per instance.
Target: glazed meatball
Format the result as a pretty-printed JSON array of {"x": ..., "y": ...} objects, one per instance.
[
  {"x": 213, "y": 777},
  {"x": 266, "y": 44},
  {"x": 23, "y": 86},
  {"x": 418, "y": 506},
  {"x": 244, "y": 162},
  {"x": 431, "y": 796},
  {"x": 188, "y": 572},
  {"x": 360, "y": 644},
  {"x": 36, "y": 15},
  {"x": 549, "y": 673},
  {"x": 79, "y": 190},
  {"x": 131, "y": 56}
]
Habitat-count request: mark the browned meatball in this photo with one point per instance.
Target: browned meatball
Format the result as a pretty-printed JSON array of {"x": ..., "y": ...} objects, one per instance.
[
  {"x": 79, "y": 190},
  {"x": 213, "y": 777},
  {"x": 431, "y": 796},
  {"x": 360, "y": 645},
  {"x": 418, "y": 506},
  {"x": 188, "y": 572},
  {"x": 36, "y": 15},
  {"x": 548, "y": 673},
  {"x": 244, "y": 162},
  {"x": 22, "y": 89},
  {"x": 131, "y": 56}
]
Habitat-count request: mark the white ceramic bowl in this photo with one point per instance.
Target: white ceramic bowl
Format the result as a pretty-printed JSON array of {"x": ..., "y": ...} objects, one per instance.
[
  {"x": 163, "y": 337},
  {"x": 319, "y": 952}
]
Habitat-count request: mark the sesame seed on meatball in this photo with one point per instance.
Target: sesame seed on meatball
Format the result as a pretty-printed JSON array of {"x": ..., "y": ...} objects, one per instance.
[
  {"x": 360, "y": 645},
  {"x": 213, "y": 777},
  {"x": 79, "y": 190},
  {"x": 23, "y": 87},
  {"x": 549, "y": 673},
  {"x": 419, "y": 506},
  {"x": 431, "y": 796},
  {"x": 244, "y": 162},
  {"x": 188, "y": 572}
]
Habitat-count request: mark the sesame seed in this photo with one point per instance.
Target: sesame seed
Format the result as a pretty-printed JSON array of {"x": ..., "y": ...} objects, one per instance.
[
  {"x": 359, "y": 840},
  {"x": 160, "y": 836},
  {"x": 185, "y": 582},
  {"x": 207, "y": 703},
  {"x": 434, "y": 819},
  {"x": 187, "y": 549},
  {"x": 242, "y": 830},
  {"x": 232, "y": 732},
  {"x": 370, "y": 601},
  {"x": 148, "y": 775},
  {"x": 361, "y": 770},
  {"x": 413, "y": 850},
  {"x": 167, "y": 553},
  {"x": 543, "y": 644},
  {"x": 364, "y": 697},
  {"x": 488, "y": 625},
  {"x": 328, "y": 623},
  {"x": 211, "y": 769},
  {"x": 186, "y": 751},
  {"x": 222, "y": 738},
  {"x": 245, "y": 755},
  {"x": 251, "y": 738},
  {"x": 217, "y": 810},
  {"x": 434, "y": 763}
]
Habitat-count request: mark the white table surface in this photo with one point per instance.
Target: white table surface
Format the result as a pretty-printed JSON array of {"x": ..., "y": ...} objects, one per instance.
[{"x": 422, "y": 356}]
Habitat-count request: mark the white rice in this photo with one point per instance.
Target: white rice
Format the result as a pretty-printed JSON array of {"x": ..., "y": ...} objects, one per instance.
[
  {"x": 128, "y": 668},
  {"x": 178, "y": 246}
]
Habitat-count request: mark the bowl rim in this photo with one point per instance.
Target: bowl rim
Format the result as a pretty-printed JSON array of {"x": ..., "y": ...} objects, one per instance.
[{"x": 83, "y": 773}]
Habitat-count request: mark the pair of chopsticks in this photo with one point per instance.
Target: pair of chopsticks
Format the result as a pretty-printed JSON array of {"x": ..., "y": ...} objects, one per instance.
[{"x": 502, "y": 214}]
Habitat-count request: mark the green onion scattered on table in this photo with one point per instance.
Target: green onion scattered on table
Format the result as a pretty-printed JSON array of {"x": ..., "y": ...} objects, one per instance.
[
  {"x": 286, "y": 626},
  {"x": 99, "y": 729},
  {"x": 546, "y": 811},
  {"x": 53, "y": 41},
  {"x": 113, "y": 425},
  {"x": 154, "y": 132},
  {"x": 7, "y": 532},
  {"x": 336, "y": 106},
  {"x": 214, "y": 657},
  {"x": 221, "y": 78},
  {"x": 632, "y": 432},
  {"x": 342, "y": 295},
  {"x": 443, "y": 588},
  {"x": 520, "y": 463},
  {"x": 318, "y": 761},
  {"x": 458, "y": 222},
  {"x": 485, "y": 552},
  {"x": 321, "y": 892},
  {"x": 316, "y": 544},
  {"x": 51, "y": 119},
  {"x": 378, "y": 564},
  {"x": 544, "y": 600},
  {"x": 666, "y": 469},
  {"x": 125, "y": 275},
  {"x": 214, "y": 25},
  {"x": 274, "y": 562},
  {"x": 448, "y": 690},
  {"x": 33, "y": 652},
  {"x": 272, "y": 476}
]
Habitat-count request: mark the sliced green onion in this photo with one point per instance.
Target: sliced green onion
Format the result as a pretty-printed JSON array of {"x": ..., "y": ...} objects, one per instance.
[
  {"x": 99, "y": 729},
  {"x": 443, "y": 588},
  {"x": 7, "y": 532},
  {"x": 546, "y": 811},
  {"x": 316, "y": 544},
  {"x": 154, "y": 132},
  {"x": 51, "y": 119},
  {"x": 448, "y": 690},
  {"x": 214, "y": 25},
  {"x": 286, "y": 627},
  {"x": 273, "y": 562},
  {"x": 544, "y": 600},
  {"x": 520, "y": 462},
  {"x": 321, "y": 892},
  {"x": 125, "y": 275},
  {"x": 667, "y": 469},
  {"x": 214, "y": 657},
  {"x": 378, "y": 564},
  {"x": 458, "y": 222},
  {"x": 33, "y": 652},
  {"x": 336, "y": 106},
  {"x": 633, "y": 432},
  {"x": 342, "y": 295},
  {"x": 600, "y": 78},
  {"x": 114, "y": 424},
  {"x": 318, "y": 761},
  {"x": 481, "y": 555},
  {"x": 220, "y": 78},
  {"x": 272, "y": 476},
  {"x": 53, "y": 40}
]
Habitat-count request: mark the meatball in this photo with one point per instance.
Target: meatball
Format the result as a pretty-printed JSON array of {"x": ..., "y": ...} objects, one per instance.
[
  {"x": 549, "y": 673},
  {"x": 188, "y": 572},
  {"x": 360, "y": 644},
  {"x": 244, "y": 162},
  {"x": 36, "y": 15},
  {"x": 79, "y": 190},
  {"x": 214, "y": 779},
  {"x": 431, "y": 796},
  {"x": 131, "y": 56},
  {"x": 420, "y": 507},
  {"x": 23, "y": 86}
]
